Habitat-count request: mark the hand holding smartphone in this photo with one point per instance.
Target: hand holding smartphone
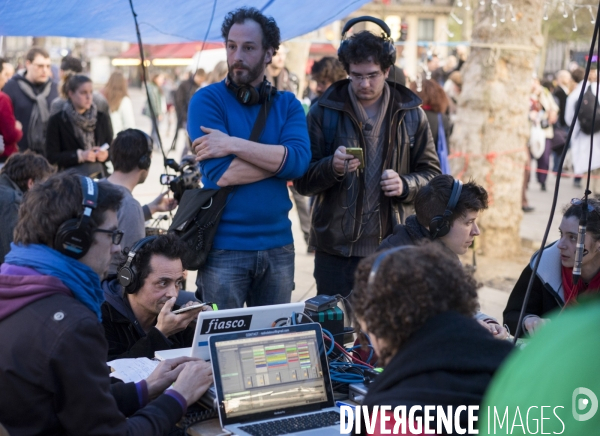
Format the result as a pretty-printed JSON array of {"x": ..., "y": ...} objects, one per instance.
[
  {"x": 357, "y": 152},
  {"x": 187, "y": 308}
]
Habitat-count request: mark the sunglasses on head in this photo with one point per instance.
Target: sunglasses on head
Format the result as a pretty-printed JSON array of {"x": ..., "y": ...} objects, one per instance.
[{"x": 580, "y": 202}]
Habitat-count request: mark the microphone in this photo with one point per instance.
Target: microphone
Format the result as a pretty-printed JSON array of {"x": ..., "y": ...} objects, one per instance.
[
  {"x": 579, "y": 248},
  {"x": 368, "y": 127}
]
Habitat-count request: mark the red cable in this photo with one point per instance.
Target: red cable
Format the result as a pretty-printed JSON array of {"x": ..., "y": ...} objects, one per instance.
[{"x": 348, "y": 354}]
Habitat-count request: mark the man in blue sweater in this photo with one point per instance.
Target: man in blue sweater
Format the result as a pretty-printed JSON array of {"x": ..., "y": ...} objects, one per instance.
[{"x": 252, "y": 258}]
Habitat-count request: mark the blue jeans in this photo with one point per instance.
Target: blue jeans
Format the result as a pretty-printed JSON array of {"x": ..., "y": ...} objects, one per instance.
[{"x": 257, "y": 278}]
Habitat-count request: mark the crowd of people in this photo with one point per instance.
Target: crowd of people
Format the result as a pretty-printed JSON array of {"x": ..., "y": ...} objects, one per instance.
[{"x": 82, "y": 284}]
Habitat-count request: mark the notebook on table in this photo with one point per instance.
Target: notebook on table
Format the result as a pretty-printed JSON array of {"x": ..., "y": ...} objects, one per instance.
[{"x": 274, "y": 381}]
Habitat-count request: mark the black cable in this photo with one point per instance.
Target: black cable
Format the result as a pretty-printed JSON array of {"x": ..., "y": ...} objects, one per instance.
[
  {"x": 144, "y": 79},
  {"x": 558, "y": 175},
  {"x": 212, "y": 15}
]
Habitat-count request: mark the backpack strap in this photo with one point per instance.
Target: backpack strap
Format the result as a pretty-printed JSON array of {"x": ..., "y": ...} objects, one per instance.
[{"x": 330, "y": 122}]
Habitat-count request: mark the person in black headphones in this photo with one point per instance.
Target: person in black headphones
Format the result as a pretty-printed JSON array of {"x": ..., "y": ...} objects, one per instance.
[
  {"x": 372, "y": 150},
  {"x": 248, "y": 136},
  {"x": 137, "y": 314},
  {"x": 53, "y": 373},
  {"x": 446, "y": 212},
  {"x": 131, "y": 155},
  {"x": 433, "y": 352}
]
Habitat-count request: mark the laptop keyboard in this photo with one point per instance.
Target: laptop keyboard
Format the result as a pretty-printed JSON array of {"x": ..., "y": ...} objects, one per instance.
[{"x": 292, "y": 425}]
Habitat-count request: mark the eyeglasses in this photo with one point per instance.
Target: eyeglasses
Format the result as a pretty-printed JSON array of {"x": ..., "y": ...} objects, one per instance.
[
  {"x": 117, "y": 235},
  {"x": 369, "y": 77},
  {"x": 579, "y": 202}
]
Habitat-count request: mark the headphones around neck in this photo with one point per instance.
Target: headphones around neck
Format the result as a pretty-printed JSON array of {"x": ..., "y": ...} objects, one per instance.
[
  {"x": 73, "y": 237},
  {"x": 388, "y": 43},
  {"x": 248, "y": 95},
  {"x": 145, "y": 161},
  {"x": 440, "y": 224},
  {"x": 128, "y": 276}
]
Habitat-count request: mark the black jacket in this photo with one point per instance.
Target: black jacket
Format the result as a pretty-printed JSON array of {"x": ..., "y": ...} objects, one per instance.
[
  {"x": 11, "y": 198},
  {"x": 183, "y": 95},
  {"x": 561, "y": 98},
  {"x": 23, "y": 105},
  {"x": 547, "y": 292},
  {"x": 416, "y": 164},
  {"x": 448, "y": 362},
  {"x": 125, "y": 337},
  {"x": 53, "y": 374},
  {"x": 62, "y": 144},
  {"x": 410, "y": 233}
]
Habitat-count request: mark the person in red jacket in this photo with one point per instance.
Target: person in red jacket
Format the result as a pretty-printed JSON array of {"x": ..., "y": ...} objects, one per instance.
[{"x": 11, "y": 130}]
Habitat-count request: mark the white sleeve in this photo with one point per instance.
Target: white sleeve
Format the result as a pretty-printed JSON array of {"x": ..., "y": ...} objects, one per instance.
[
  {"x": 571, "y": 103},
  {"x": 127, "y": 116}
]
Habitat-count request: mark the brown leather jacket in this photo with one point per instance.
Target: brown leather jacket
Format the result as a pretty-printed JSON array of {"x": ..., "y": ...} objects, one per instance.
[{"x": 413, "y": 157}]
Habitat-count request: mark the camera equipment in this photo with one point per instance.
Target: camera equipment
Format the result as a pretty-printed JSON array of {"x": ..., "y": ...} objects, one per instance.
[{"x": 188, "y": 178}]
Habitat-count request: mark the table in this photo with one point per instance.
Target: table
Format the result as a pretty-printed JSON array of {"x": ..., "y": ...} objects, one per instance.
[{"x": 210, "y": 427}]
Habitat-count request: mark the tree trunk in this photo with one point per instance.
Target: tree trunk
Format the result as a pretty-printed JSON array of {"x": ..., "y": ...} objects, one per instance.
[{"x": 491, "y": 130}]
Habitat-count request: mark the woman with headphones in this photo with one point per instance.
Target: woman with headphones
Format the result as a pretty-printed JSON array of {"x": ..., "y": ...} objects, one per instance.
[
  {"x": 78, "y": 136},
  {"x": 553, "y": 285}
]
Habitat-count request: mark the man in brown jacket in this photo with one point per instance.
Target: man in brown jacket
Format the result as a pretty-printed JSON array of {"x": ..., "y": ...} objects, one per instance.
[{"x": 355, "y": 208}]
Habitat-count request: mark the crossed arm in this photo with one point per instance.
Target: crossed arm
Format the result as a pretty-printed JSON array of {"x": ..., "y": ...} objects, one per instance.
[{"x": 253, "y": 161}]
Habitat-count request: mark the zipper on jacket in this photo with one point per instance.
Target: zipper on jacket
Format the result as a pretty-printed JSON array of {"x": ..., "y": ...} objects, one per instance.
[{"x": 363, "y": 146}]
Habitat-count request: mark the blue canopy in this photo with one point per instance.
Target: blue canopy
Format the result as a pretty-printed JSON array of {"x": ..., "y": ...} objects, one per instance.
[{"x": 161, "y": 21}]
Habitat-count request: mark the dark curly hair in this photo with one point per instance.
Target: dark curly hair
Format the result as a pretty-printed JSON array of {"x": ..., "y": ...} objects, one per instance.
[
  {"x": 169, "y": 246},
  {"x": 328, "y": 69},
  {"x": 271, "y": 35},
  {"x": 360, "y": 47},
  {"x": 20, "y": 167},
  {"x": 128, "y": 148},
  {"x": 70, "y": 63},
  {"x": 593, "y": 219},
  {"x": 432, "y": 199},
  {"x": 50, "y": 203},
  {"x": 408, "y": 291}
]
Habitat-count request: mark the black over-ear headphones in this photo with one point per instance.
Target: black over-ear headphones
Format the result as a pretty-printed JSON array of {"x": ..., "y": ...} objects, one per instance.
[
  {"x": 145, "y": 161},
  {"x": 128, "y": 277},
  {"x": 388, "y": 43},
  {"x": 248, "y": 95},
  {"x": 440, "y": 224},
  {"x": 73, "y": 237}
]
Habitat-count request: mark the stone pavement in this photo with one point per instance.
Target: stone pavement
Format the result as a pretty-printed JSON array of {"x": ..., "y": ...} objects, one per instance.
[{"x": 492, "y": 299}]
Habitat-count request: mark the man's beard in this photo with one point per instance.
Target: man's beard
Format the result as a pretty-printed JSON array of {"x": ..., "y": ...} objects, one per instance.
[{"x": 249, "y": 74}]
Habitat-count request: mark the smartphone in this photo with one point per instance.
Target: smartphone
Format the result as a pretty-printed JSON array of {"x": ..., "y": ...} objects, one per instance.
[
  {"x": 185, "y": 309},
  {"x": 357, "y": 152},
  {"x": 104, "y": 147}
]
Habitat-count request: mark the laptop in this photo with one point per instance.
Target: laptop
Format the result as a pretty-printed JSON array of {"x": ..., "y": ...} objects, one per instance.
[
  {"x": 231, "y": 320},
  {"x": 274, "y": 381}
]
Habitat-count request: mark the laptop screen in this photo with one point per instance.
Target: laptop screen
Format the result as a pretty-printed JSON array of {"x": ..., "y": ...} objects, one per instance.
[{"x": 267, "y": 373}]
